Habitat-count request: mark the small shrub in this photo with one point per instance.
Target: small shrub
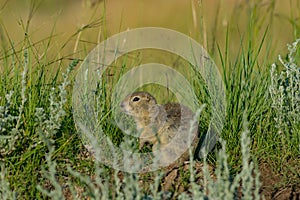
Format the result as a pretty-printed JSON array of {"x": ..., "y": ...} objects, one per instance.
[
  {"x": 285, "y": 94},
  {"x": 10, "y": 122}
]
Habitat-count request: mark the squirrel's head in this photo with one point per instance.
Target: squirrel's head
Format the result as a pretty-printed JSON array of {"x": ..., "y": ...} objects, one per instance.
[{"x": 139, "y": 104}]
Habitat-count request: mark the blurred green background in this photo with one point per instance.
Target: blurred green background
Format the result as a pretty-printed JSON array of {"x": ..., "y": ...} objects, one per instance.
[{"x": 205, "y": 21}]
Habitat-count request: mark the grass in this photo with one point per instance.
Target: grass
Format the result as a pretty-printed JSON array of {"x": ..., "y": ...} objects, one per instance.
[{"x": 42, "y": 156}]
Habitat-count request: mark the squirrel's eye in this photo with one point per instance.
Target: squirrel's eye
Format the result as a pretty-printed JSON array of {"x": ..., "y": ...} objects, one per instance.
[{"x": 136, "y": 99}]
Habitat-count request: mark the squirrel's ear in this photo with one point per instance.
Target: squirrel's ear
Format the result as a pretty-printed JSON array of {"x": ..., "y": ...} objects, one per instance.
[
  {"x": 148, "y": 99},
  {"x": 153, "y": 101}
]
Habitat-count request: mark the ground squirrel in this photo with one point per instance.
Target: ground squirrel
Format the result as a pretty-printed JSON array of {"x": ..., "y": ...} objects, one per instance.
[{"x": 167, "y": 126}]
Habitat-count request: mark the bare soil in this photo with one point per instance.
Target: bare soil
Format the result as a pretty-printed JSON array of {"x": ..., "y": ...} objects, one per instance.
[{"x": 273, "y": 188}]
